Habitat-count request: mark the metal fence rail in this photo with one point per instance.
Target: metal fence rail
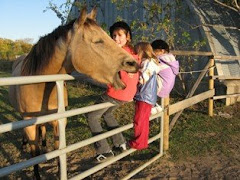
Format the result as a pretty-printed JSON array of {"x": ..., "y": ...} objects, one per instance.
[{"x": 60, "y": 115}]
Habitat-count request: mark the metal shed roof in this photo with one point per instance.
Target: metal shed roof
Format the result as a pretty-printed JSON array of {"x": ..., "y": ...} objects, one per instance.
[{"x": 221, "y": 27}]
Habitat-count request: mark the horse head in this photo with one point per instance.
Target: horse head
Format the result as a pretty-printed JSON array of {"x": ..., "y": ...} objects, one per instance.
[{"x": 95, "y": 54}]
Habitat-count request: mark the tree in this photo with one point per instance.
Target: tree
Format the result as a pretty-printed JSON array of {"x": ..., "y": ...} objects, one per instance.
[
  {"x": 62, "y": 11},
  {"x": 10, "y": 49},
  {"x": 231, "y": 4}
]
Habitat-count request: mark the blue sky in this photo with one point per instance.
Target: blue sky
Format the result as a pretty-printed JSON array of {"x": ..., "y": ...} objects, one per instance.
[{"x": 20, "y": 19}]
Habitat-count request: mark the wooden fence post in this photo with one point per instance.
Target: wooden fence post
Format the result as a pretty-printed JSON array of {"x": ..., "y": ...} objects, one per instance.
[
  {"x": 211, "y": 86},
  {"x": 166, "y": 124}
]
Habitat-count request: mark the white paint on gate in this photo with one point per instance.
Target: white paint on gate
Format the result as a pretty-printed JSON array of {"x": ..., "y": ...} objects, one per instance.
[{"x": 61, "y": 115}]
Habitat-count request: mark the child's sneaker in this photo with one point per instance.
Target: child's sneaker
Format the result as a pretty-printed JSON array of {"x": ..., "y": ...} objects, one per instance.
[
  {"x": 156, "y": 109},
  {"x": 123, "y": 147},
  {"x": 104, "y": 156}
]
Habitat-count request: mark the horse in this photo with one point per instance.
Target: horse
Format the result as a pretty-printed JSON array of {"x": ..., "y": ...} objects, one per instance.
[{"x": 80, "y": 45}]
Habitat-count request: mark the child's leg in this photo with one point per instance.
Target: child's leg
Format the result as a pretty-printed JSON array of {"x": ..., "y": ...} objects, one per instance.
[
  {"x": 94, "y": 122},
  {"x": 112, "y": 123},
  {"x": 141, "y": 125}
]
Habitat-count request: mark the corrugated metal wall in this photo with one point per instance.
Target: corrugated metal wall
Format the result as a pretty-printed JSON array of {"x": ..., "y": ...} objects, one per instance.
[{"x": 108, "y": 12}]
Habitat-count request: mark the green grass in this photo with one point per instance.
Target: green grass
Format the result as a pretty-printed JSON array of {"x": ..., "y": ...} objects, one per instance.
[{"x": 197, "y": 134}]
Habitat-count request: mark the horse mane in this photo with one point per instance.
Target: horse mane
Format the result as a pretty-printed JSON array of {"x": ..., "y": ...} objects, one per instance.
[{"x": 43, "y": 50}]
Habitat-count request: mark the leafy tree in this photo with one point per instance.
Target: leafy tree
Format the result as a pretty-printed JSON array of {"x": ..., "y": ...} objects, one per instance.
[
  {"x": 9, "y": 49},
  {"x": 62, "y": 11},
  {"x": 231, "y": 4}
]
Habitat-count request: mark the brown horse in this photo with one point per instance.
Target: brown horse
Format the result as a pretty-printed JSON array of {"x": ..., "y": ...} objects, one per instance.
[{"x": 80, "y": 45}]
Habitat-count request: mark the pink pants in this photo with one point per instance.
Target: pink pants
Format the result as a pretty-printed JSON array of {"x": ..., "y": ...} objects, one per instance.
[{"x": 141, "y": 125}]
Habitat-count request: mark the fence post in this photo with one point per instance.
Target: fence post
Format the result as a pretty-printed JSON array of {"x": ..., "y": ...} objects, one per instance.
[
  {"x": 161, "y": 126},
  {"x": 166, "y": 124},
  {"x": 62, "y": 124},
  {"x": 211, "y": 86}
]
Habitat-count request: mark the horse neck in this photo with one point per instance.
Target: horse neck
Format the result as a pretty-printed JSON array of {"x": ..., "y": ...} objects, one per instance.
[{"x": 59, "y": 63}]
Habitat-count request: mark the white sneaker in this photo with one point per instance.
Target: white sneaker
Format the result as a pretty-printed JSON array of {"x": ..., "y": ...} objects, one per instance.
[
  {"x": 156, "y": 109},
  {"x": 103, "y": 157},
  {"x": 123, "y": 147}
]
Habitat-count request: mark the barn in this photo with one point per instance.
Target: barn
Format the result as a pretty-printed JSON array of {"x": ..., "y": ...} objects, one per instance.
[{"x": 204, "y": 21}]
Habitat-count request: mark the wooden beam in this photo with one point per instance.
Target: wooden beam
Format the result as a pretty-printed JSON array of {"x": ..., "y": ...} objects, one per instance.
[
  {"x": 192, "y": 53},
  {"x": 226, "y": 77},
  {"x": 190, "y": 94},
  {"x": 190, "y": 101},
  {"x": 166, "y": 125},
  {"x": 224, "y": 58},
  {"x": 225, "y": 96},
  {"x": 203, "y": 53},
  {"x": 211, "y": 87}
]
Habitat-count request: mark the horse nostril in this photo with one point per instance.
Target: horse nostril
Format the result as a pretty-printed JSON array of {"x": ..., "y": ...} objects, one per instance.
[{"x": 129, "y": 63}]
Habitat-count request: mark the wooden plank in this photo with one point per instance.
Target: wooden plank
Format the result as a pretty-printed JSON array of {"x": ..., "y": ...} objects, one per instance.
[
  {"x": 226, "y": 96},
  {"x": 190, "y": 94},
  {"x": 227, "y": 77},
  {"x": 227, "y": 58},
  {"x": 166, "y": 125},
  {"x": 202, "y": 53},
  {"x": 211, "y": 87},
  {"x": 219, "y": 68},
  {"x": 192, "y": 53},
  {"x": 190, "y": 101}
]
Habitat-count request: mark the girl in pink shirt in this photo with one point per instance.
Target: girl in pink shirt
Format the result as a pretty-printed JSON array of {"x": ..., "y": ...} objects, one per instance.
[{"x": 121, "y": 34}]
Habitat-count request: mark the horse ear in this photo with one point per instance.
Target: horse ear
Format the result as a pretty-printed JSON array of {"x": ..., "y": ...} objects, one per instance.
[
  {"x": 82, "y": 17},
  {"x": 93, "y": 13}
]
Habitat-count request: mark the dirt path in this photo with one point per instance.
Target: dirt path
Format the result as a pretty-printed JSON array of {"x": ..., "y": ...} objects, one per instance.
[{"x": 214, "y": 166}]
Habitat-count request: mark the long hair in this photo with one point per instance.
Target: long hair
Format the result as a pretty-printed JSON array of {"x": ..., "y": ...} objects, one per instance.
[{"x": 146, "y": 51}]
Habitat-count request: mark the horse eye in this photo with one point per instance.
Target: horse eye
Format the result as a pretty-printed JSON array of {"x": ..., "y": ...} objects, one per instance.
[{"x": 99, "y": 41}]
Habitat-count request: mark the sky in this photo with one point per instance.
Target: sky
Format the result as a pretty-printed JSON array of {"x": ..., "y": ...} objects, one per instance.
[{"x": 21, "y": 19}]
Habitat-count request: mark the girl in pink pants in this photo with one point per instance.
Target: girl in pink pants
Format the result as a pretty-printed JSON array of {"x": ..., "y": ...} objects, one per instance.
[{"x": 146, "y": 95}]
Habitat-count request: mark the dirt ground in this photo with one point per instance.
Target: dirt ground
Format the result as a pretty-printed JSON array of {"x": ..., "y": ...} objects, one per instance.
[{"x": 213, "y": 166}]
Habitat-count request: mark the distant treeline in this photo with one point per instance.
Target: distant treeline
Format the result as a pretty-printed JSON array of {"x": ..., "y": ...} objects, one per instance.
[{"x": 10, "y": 50}]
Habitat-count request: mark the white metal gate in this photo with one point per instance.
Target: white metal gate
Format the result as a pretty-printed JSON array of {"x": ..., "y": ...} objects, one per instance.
[{"x": 60, "y": 115}]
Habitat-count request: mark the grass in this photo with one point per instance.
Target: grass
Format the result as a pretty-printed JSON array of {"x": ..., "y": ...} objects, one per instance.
[{"x": 197, "y": 134}]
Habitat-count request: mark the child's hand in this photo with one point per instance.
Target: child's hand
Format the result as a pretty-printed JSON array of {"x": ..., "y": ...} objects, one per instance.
[{"x": 141, "y": 81}]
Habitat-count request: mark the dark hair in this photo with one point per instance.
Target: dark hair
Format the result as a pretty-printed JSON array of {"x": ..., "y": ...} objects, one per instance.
[
  {"x": 120, "y": 25},
  {"x": 160, "y": 44}
]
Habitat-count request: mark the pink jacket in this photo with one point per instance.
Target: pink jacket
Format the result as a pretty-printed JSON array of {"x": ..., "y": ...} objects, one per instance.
[{"x": 169, "y": 70}]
